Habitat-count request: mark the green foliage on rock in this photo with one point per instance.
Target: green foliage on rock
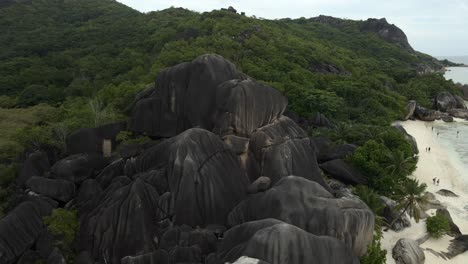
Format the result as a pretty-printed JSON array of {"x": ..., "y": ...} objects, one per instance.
[
  {"x": 63, "y": 225},
  {"x": 375, "y": 254},
  {"x": 128, "y": 137},
  {"x": 437, "y": 225}
]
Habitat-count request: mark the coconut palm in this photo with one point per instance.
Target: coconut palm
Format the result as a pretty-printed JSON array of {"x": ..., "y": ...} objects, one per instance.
[
  {"x": 410, "y": 197},
  {"x": 399, "y": 165}
]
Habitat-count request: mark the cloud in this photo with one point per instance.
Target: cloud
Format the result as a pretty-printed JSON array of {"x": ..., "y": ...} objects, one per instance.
[{"x": 432, "y": 26}]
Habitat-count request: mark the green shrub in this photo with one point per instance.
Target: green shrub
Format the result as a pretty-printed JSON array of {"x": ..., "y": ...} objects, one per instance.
[
  {"x": 375, "y": 254},
  {"x": 63, "y": 224},
  {"x": 437, "y": 225},
  {"x": 127, "y": 137}
]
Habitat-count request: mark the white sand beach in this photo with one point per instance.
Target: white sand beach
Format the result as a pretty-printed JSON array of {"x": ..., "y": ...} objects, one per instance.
[{"x": 440, "y": 163}]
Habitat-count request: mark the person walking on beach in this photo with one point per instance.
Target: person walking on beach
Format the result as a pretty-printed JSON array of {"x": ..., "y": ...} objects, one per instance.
[
  {"x": 429, "y": 149},
  {"x": 458, "y": 132},
  {"x": 437, "y": 133},
  {"x": 432, "y": 128},
  {"x": 434, "y": 180},
  {"x": 438, "y": 181}
]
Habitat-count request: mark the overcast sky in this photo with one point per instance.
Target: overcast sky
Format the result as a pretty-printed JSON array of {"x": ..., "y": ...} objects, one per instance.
[{"x": 436, "y": 27}]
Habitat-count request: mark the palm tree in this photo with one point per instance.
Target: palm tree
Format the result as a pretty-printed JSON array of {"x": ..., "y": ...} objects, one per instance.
[
  {"x": 409, "y": 198},
  {"x": 372, "y": 200},
  {"x": 399, "y": 165}
]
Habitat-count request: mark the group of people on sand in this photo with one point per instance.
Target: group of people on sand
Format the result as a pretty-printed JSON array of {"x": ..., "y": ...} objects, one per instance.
[
  {"x": 428, "y": 149},
  {"x": 435, "y": 180}
]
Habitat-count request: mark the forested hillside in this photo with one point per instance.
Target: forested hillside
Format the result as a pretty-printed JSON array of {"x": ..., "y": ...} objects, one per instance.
[{"x": 69, "y": 64}]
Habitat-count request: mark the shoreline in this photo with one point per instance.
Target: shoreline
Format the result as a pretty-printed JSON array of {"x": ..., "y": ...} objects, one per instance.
[{"x": 438, "y": 163}]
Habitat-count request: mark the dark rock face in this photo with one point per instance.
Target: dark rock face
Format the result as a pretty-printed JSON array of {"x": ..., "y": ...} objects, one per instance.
[
  {"x": 464, "y": 89},
  {"x": 458, "y": 113},
  {"x": 204, "y": 177},
  {"x": 320, "y": 120},
  {"x": 35, "y": 165},
  {"x": 89, "y": 140},
  {"x": 244, "y": 105},
  {"x": 445, "y": 101},
  {"x": 123, "y": 223},
  {"x": 184, "y": 97},
  {"x": 309, "y": 206},
  {"x": 458, "y": 246},
  {"x": 407, "y": 251},
  {"x": 454, "y": 230},
  {"x": 79, "y": 167},
  {"x": 56, "y": 257},
  {"x": 408, "y": 137},
  {"x": 59, "y": 190},
  {"x": 424, "y": 114},
  {"x": 388, "y": 32},
  {"x": 447, "y": 193},
  {"x": 342, "y": 171},
  {"x": 410, "y": 107},
  {"x": 20, "y": 228},
  {"x": 447, "y": 119},
  {"x": 276, "y": 242},
  {"x": 327, "y": 68},
  {"x": 390, "y": 214},
  {"x": 89, "y": 189},
  {"x": 157, "y": 257},
  {"x": 110, "y": 172},
  {"x": 325, "y": 151},
  {"x": 284, "y": 149}
]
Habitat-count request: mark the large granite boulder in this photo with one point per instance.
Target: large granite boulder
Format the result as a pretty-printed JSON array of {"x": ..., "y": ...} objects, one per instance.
[
  {"x": 410, "y": 107},
  {"x": 388, "y": 32},
  {"x": 408, "y": 137},
  {"x": 342, "y": 171},
  {"x": 407, "y": 251},
  {"x": 122, "y": 224},
  {"x": 203, "y": 174},
  {"x": 90, "y": 140},
  {"x": 325, "y": 150},
  {"x": 458, "y": 113},
  {"x": 454, "y": 230},
  {"x": 282, "y": 149},
  {"x": 242, "y": 106},
  {"x": 21, "y": 227},
  {"x": 59, "y": 190},
  {"x": 445, "y": 101},
  {"x": 78, "y": 167},
  {"x": 35, "y": 165},
  {"x": 458, "y": 245},
  {"x": 275, "y": 242},
  {"x": 424, "y": 114},
  {"x": 110, "y": 172},
  {"x": 392, "y": 215},
  {"x": 157, "y": 257},
  {"x": 447, "y": 193},
  {"x": 184, "y": 97},
  {"x": 307, "y": 205},
  {"x": 320, "y": 120}
]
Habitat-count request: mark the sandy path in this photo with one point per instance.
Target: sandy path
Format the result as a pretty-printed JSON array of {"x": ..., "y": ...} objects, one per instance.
[{"x": 436, "y": 163}]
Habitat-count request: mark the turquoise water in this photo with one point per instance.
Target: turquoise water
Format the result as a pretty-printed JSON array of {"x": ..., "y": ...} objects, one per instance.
[{"x": 457, "y": 74}]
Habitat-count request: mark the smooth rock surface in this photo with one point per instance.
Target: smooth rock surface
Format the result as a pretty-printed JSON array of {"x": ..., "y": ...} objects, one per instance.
[
  {"x": 275, "y": 242},
  {"x": 204, "y": 176},
  {"x": 407, "y": 251},
  {"x": 307, "y": 205},
  {"x": 78, "y": 167},
  {"x": 35, "y": 165},
  {"x": 342, "y": 171},
  {"x": 59, "y": 190}
]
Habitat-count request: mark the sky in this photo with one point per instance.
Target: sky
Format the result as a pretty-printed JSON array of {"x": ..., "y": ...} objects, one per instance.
[{"x": 435, "y": 27}]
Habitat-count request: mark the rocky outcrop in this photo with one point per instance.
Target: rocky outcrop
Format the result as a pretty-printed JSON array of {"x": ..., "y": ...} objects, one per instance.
[
  {"x": 90, "y": 140},
  {"x": 408, "y": 137},
  {"x": 342, "y": 171},
  {"x": 388, "y": 32},
  {"x": 204, "y": 176},
  {"x": 410, "y": 107},
  {"x": 390, "y": 214},
  {"x": 59, "y": 190},
  {"x": 79, "y": 167},
  {"x": 326, "y": 151},
  {"x": 20, "y": 228},
  {"x": 247, "y": 260},
  {"x": 446, "y": 193},
  {"x": 458, "y": 113},
  {"x": 242, "y": 106},
  {"x": 270, "y": 143},
  {"x": 157, "y": 257},
  {"x": 320, "y": 120},
  {"x": 424, "y": 114},
  {"x": 447, "y": 119},
  {"x": 454, "y": 230},
  {"x": 35, "y": 165},
  {"x": 122, "y": 224},
  {"x": 464, "y": 90},
  {"x": 184, "y": 97},
  {"x": 276, "y": 242},
  {"x": 309, "y": 206},
  {"x": 445, "y": 101},
  {"x": 407, "y": 251},
  {"x": 458, "y": 245}
]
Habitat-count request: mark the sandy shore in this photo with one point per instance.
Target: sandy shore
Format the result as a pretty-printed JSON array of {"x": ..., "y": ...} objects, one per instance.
[{"x": 436, "y": 163}]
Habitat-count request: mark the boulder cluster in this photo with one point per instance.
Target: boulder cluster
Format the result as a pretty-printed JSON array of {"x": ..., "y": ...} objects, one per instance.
[
  {"x": 446, "y": 107},
  {"x": 231, "y": 179}
]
